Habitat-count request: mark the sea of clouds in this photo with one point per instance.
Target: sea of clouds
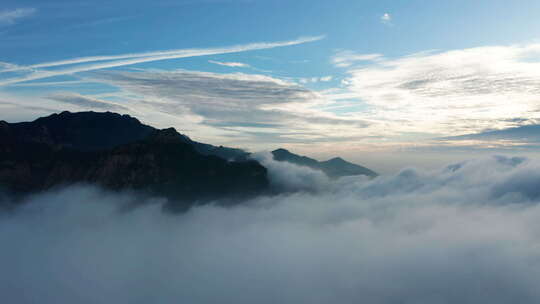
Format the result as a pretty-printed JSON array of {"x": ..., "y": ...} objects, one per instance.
[{"x": 467, "y": 233}]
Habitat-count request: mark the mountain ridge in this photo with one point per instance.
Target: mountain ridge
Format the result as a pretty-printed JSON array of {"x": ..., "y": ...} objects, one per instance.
[
  {"x": 118, "y": 152},
  {"x": 334, "y": 168},
  {"x": 115, "y": 129}
]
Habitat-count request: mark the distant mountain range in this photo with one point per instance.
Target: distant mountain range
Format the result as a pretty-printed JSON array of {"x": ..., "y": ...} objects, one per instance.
[
  {"x": 334, "y": 168},
  {"x": 118, "y": 152}
]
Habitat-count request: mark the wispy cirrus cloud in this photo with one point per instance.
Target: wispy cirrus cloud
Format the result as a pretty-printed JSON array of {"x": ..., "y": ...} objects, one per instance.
[
  {"x": 37, "y": 71},
  {"x": 230, "y": 64},
  {"x": 346, "y": 58},
  {"x": 9, "y": 17}
]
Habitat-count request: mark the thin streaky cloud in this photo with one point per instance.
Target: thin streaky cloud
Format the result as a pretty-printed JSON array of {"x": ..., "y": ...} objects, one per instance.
[
  {"x": 181, "y": 53},
  {"x": 51, "y": 83},
  {"x": 230, "y": 64},
  {"x": 11, "y": 16},
  {"x": 346, "y": 58}
]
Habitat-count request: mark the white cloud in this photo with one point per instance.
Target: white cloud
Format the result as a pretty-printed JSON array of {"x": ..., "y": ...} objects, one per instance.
[
  {"x": 453, "y": 92},
  {"x": 326, "y": 78},
  {"x": 36, "y": 71},
  {"x": 346, "y": 58},
  {"x": 464, "y": 234},
  {"x": 402, "y": 101},
  {"x": 386, "y": 18},
  {"x": 6, "y": 67},
  {"x": 230, "y": 64},
  {"x": 8, "y": 17},
  {"x": 256, "y": 109},
  {"x": 315, "y": 79}
]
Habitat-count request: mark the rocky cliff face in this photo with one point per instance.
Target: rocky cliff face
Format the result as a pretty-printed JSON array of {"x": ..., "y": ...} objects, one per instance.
[{"x": 119, "y": 153}]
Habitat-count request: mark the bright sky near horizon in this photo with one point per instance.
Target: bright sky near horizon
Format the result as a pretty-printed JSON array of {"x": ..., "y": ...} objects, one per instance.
[{"x": 329, "y": 77}]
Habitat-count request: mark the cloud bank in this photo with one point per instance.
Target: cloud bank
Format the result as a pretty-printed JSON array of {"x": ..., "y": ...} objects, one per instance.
[
  {"x": 252, "y": 108},
  {"x": 448, "y": 93},
  {"x": 467, "y": 233}
]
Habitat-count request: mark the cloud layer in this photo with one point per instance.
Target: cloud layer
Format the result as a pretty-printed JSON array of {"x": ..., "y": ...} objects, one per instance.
[
  {"x": 465, "y": 234},
  {"x": 253, "y": 108}
]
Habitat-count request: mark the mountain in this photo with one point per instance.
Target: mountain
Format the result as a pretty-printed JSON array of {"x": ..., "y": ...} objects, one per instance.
[
  {"x": 118, "y": 152},
  {"x": 334, "y": 168},
  {"x": 220, "y": 151},
  {"x": 89, "y": 131}
]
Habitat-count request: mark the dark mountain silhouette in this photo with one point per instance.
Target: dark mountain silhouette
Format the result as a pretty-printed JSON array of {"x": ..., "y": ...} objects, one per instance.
[
  {"x": 334, "y": 168},
  {"x": 227, "y": 153},
  {"x": 120, "y": 153},
  {"x": 89, "y": 131}
]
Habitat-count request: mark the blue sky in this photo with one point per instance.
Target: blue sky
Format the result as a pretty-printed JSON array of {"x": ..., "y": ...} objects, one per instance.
[{"x": 363, "y": 76}]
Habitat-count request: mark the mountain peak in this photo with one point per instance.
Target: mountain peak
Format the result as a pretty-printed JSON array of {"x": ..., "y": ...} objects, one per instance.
[
  {"x": 282, "y": 151},
  {"x": 169, "y": 135},
  {"x": 88, "y": 114},
  {"x": 335, "y": 167},
  {"x": 83, "y": 130},
  {"x": 337, "y": 160},
  {"x": 118, "y": 152}
]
